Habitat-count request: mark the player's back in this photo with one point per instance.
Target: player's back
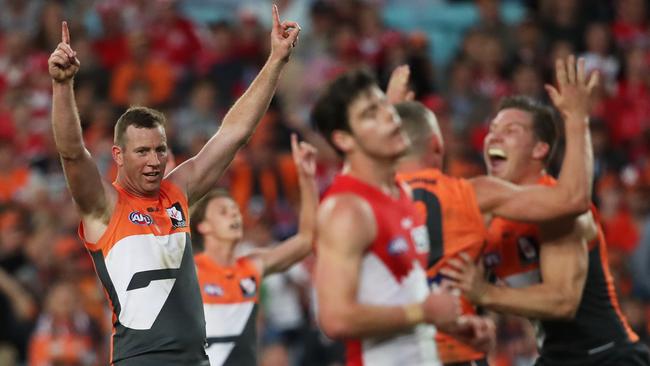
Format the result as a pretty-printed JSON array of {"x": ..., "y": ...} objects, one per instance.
[
  {"x": 599, "y": 332},
  {"x": 454, "y": 224},
  {"x": 144, "y": 260},
  {"x": 392, "y": 273},
  {"x": 230, "y": 300}
]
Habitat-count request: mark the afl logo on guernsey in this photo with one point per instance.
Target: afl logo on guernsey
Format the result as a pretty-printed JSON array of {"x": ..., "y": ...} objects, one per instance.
[
  {"x": 213, "y": 290},
  {"x": 139, "y": 218}
]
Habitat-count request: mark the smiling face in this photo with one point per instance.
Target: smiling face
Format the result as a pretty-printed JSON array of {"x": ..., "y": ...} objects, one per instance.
[
  {"x": 375, "y": 127},
  {"x": 222, "y": 221},
  {"x": 511, "y": 149},
  {"x": 142, "y": 158}
]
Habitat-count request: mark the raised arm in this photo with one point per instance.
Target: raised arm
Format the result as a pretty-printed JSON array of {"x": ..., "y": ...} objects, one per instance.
[
  {"x": 200, "y": 173},
  {"x": 572, "y": 194},
  {"x": 345, "y": 228},
  {"x": 82, "y": 175},
  {"x": 398, "y": 89},
  {"x": 563, "y": 267},
  {"x": 294, "y": 249}
]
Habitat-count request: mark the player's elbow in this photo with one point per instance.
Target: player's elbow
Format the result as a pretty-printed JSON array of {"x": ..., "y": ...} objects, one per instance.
[
  {"x": 334, "y": 324},
  {"x": 306, "y": 240},
  {"x": 73, "y": 154},
  {"x": 333, "y": 327},
  {"x": 566, "y": 307},
  {"x": 578, "y": 203}
]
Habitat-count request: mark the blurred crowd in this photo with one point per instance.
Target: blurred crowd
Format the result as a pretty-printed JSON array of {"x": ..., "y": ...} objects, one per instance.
[{"x": 193, "y": 58}]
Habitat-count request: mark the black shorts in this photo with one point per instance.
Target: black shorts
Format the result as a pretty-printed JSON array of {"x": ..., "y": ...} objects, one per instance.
[
  {"x": 629, "y": 354},
  {"x": 481, "y": 362}
]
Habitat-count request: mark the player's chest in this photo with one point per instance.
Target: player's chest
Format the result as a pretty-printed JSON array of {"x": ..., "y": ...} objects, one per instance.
[{"x": 228, "y": 287}]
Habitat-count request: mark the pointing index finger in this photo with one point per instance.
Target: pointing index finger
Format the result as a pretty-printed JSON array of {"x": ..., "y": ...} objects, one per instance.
[
  {"x": 276, "y": 17},
  {"x": 65, "y": 33}
]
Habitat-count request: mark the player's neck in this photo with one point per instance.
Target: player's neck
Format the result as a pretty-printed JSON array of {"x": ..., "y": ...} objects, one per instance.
[
  {"x": 413, "y": 164},
  {"x": 220, "y": 251},
  {"x": 531, "y": 177},
  {"x": 379, "y": 173},
  {"x": 128, "y": 186}
]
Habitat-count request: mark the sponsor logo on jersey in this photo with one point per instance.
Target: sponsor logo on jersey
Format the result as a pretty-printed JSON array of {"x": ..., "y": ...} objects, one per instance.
[
  {"x": 139, "y": 218},
  {"x": 398, "y": 246},
  {"x": 420, "y": 236},
  {"x": 175, "y": 213},
  {"x": 213, "y": 290},
  {"x": 406, "y": 223},
  {"x": 527, "y": 246},
  {"x": 491, "y": 259},
  {"x": 248, "y": 286}
]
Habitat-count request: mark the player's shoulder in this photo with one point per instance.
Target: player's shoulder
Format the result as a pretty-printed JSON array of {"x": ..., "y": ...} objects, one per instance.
[
  {"x": 347, "y": 214},
  {"x": 344, "y": 206}
]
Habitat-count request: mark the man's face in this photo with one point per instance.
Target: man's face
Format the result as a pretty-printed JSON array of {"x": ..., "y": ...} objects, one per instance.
[
  {"x": 376, "y": 126},
  {"x": 508, "y": 149},
  {"x": 143, "y": 158},
  {"x": 222, "y": 220}
]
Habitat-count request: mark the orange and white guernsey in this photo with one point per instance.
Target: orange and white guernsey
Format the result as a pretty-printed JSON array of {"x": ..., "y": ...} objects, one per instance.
[
  {"x": 145, "y": 262},
  {"x": 230, "y": 300}
]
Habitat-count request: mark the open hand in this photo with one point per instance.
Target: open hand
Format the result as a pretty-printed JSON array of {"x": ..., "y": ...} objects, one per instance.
[
  {"x": 284, "y": 36},
  {"x": 462, "y": 273},
  {"x": 571, "y": 97},
  {"x": 63, "y": 63},
  {"x": 304, "y": 156},
  {"x": 398, "y": 90}
]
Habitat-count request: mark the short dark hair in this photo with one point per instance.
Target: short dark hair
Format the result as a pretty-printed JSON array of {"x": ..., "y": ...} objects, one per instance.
[
  {"x": 197, "y": 215},
  {"x": 546, "y": 125},
  {"x": 140, "y": 117},
  {"x": 330, "y": 112}
]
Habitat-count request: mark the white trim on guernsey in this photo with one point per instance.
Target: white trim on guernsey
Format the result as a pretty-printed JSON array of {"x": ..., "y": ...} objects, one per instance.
[
  {"x": 140, "y": 307},
  {"x": 379, "y": 286},
  {"x": 227, "y": 320},
  {"x": 523, "y": 279}
]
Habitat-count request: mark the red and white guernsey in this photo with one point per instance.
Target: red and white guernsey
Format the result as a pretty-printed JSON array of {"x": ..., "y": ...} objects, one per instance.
[{"x": 392, "y": 274}]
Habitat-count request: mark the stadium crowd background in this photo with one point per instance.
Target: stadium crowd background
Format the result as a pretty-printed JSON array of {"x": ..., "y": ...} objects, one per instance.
[{"x": 192, "y": 58}]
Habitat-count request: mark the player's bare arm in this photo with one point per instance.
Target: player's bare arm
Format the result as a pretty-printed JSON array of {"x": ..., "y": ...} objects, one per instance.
[
  {"x": 200, "y": 173},
  {"x": 572, "y": 194},
  {"x": 345, "y": 229},
  {"x": 294, "y": 249},
  {"x": 563, "y": 266},
  {"x": 93, "y": 197}
]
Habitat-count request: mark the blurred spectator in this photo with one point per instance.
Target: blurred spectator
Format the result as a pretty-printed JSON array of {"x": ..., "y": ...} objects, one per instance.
[
  {"x": 17, "y": 180},
  {"x": 630, "y": 27},
  {"x": 18, "y": 16},
  {"x": 598, "y": 55},
  {"x": 64, "y": 334},
  {"x": 173, "y": 38},
  {"x": 526, "y": 80},
  {"x": 628, "y": 110},
  {"x": 562, "y": 22},
  {"x": 142, "y": 79},
  {"x": 194, "y": 123}
]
